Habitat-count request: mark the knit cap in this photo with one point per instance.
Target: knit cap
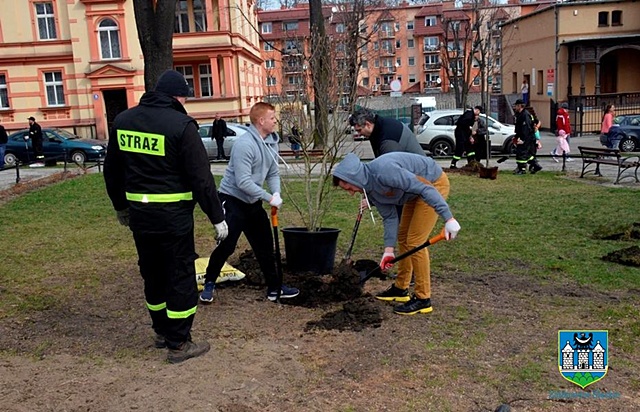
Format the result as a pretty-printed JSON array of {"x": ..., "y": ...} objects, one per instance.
[{"x": 173, "y": 83}]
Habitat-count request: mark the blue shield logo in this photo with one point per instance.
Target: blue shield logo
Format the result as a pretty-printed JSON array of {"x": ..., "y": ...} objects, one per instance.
[{"x": 583, "y": 355}]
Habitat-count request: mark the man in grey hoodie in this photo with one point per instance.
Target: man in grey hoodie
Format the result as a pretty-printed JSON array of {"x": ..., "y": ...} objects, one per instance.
[
  {"x": 419, "y": 184},
  {"x": 252, "y": 162}
]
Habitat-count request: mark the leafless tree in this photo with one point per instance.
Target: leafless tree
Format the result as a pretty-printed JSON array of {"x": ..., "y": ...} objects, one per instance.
[{"x": 155, "y": 20}]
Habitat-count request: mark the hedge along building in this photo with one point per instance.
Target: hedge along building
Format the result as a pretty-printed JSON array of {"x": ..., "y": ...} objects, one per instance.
[
  {"x": 583, "y": 53},
  {"x": 75, "y": 64}
]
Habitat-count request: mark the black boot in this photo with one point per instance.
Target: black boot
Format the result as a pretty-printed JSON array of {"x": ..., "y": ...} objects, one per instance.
[
  {"x": 534, "y": 167},
  {"x": 521, "y": 169}
]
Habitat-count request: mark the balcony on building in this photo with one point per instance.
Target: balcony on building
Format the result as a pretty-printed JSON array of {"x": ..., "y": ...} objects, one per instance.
[
  {"x": 387, "y": 51},
  {"x": 293, "y": 68},
  {"x": 432, "y": 67},
  {"x": 431, "y": 49},
  {"x": 387, "y": 69},
  {"x": 386, "y": 34}
]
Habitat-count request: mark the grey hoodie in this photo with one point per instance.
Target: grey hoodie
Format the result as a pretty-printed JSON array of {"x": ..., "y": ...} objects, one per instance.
[
  {"x": 252, "y": 162},
  {"x": 393, "y": 179}
]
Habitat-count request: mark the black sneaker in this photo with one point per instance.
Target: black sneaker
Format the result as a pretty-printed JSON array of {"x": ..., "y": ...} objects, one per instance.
[
  {"x": 394, "y": 294},
  {"x": 285, "y": 293},
  {"x": 453, "y": 166},
  {"x": 520, "y": 172},
  {"x": 414, "y": 306},
  {"x": 187, "y": 350}
]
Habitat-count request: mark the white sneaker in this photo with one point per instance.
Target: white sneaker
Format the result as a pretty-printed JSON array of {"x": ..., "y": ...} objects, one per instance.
[
  {"x": 553, "y": 156},
  {"x": 569, "y": 159}
]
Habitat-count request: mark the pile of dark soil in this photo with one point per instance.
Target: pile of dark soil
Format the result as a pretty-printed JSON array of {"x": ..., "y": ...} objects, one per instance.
[
  {"x": 343, "y": 285},
  {"x": 629, "y": 256}
]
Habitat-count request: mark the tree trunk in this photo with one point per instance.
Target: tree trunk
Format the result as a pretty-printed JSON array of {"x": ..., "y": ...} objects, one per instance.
[
  {"x": 320, "y": 68},
  {"x": 155, "y": 20}
]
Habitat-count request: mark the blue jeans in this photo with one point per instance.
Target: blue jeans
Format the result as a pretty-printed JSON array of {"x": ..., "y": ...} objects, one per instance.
[{"x": 3, "y": 147}]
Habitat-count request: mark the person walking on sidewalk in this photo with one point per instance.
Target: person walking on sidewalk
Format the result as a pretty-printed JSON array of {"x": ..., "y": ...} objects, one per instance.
[
  {"x": 607, "y": 122},
  {"x": 241, "y": 192},
  {"x": 418, "y": 183},
  {"x": 563, "y": 124},
  {"x": 218, "y": 133},
  {"x": 155, "y": 171},
  {"x": 35, "y": 134}
]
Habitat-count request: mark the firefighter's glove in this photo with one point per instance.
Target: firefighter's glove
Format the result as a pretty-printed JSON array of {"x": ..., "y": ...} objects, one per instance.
[
  {"x": 123, "y": 216},
  {"x": 222, "y": 230},
  {"x": 276, "y": 200},
  {"x": 385, "y": 262},
  {"x": 451, "y": 229}
]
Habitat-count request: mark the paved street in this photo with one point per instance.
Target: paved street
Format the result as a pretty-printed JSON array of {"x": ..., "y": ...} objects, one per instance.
[{"x": 363, "y": 149}]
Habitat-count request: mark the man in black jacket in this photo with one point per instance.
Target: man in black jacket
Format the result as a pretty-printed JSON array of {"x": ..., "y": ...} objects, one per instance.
[
  {"x": 155, "y": 171},
  {"x": 3, "y": 145},
  {"x": 218, "y": 132},
  {"x": 385, "y": 134},
  {"x": 35, "y": 134}
]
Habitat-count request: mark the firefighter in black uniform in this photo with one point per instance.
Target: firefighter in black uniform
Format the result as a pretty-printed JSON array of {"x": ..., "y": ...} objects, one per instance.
[
  {"x": 524, "y": 140},
  {"x": 155, "y": 171},
  {"x": 464, "y": 138}
]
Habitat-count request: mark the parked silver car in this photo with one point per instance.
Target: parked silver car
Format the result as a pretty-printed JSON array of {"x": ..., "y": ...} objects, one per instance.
[{"x": 435, "y": 132}]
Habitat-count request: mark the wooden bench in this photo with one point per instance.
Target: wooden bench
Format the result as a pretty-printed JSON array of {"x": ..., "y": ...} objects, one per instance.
[
  {"x": 301, "y": 153},
  {"x": 596, "y": 156}
]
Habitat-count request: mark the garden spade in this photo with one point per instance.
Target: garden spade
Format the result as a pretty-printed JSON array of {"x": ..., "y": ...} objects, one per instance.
[
  {"x": 274, "y": 224},
  {"x": 364, "y": 276}
]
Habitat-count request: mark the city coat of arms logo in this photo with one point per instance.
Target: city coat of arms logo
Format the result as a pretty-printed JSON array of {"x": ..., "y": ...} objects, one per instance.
[{"x": 583, "y": 355}]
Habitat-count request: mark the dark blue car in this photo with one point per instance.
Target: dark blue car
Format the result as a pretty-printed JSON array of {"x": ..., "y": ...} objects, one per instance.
[{"x": 56, "y": 143}]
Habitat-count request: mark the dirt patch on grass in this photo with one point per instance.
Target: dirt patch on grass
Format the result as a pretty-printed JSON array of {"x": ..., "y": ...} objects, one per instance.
[{"x": 491, "y": 339}]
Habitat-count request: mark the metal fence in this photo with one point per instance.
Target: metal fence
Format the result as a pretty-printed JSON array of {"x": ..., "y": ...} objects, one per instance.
[{"x": 586, "y": 111}]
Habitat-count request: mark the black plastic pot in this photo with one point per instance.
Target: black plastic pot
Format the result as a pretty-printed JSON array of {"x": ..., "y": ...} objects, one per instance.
[{"x": 310, "y": 251}]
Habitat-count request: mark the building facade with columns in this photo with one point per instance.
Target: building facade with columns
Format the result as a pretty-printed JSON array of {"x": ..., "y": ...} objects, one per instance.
[{"x": 76, "y": 64}]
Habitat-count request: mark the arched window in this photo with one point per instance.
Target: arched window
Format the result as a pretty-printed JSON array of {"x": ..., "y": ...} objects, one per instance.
[{"x": 109, "y": 40}]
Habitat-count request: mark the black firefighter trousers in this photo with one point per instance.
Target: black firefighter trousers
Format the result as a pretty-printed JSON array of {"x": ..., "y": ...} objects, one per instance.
[{"x": 167, "y": 266}]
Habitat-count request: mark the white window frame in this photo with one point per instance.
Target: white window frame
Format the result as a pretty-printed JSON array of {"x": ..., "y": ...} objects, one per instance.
[
  {"x": 411, "y": 43},
  {"x": 193, "y": 11},
  {"x": 293, "y": 23},
  {"x": 268, "y": 46},
  {"x": 4, "y": 92},
  {"x": 340, "y": 28},
  {"x": 187, "y": 72},
  {"x": 430, "y": 21},
  {"x": 54, "y": 88},
  {"x": 411, "y": 61},
  {"x": 410, "y": 25},
  {"x": 270, "y": 63},
  {"x": 45, "y": 16},
  {"x": 271, "y": 81},
  {"x": 205, "y": 79},
  {"x": 109, "y": 40},
  {"x": 412, "y": 78},
  {"x": 266, "y": 27}
]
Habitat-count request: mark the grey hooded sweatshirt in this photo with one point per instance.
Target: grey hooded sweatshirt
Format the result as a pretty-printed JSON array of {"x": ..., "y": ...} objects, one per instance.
[
  {"x": 393, "y": 179},
  {"x": 252, "y": 162}
]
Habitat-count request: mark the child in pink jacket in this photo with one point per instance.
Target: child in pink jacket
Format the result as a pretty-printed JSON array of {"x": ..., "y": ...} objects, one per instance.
[{"x": 562, "y": 148}]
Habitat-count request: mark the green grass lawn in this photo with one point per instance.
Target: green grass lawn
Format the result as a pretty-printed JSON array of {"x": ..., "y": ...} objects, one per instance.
[{"x": 57, "y": 240}]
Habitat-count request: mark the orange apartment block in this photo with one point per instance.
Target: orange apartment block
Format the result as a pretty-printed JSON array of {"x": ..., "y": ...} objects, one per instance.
[
  {"x": 75, "y": 64},
  {"x": 409, "y": 43}
]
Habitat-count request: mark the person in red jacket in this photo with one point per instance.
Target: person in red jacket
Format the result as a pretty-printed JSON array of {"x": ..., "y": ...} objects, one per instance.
[{"x": 563, "y": 123}]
